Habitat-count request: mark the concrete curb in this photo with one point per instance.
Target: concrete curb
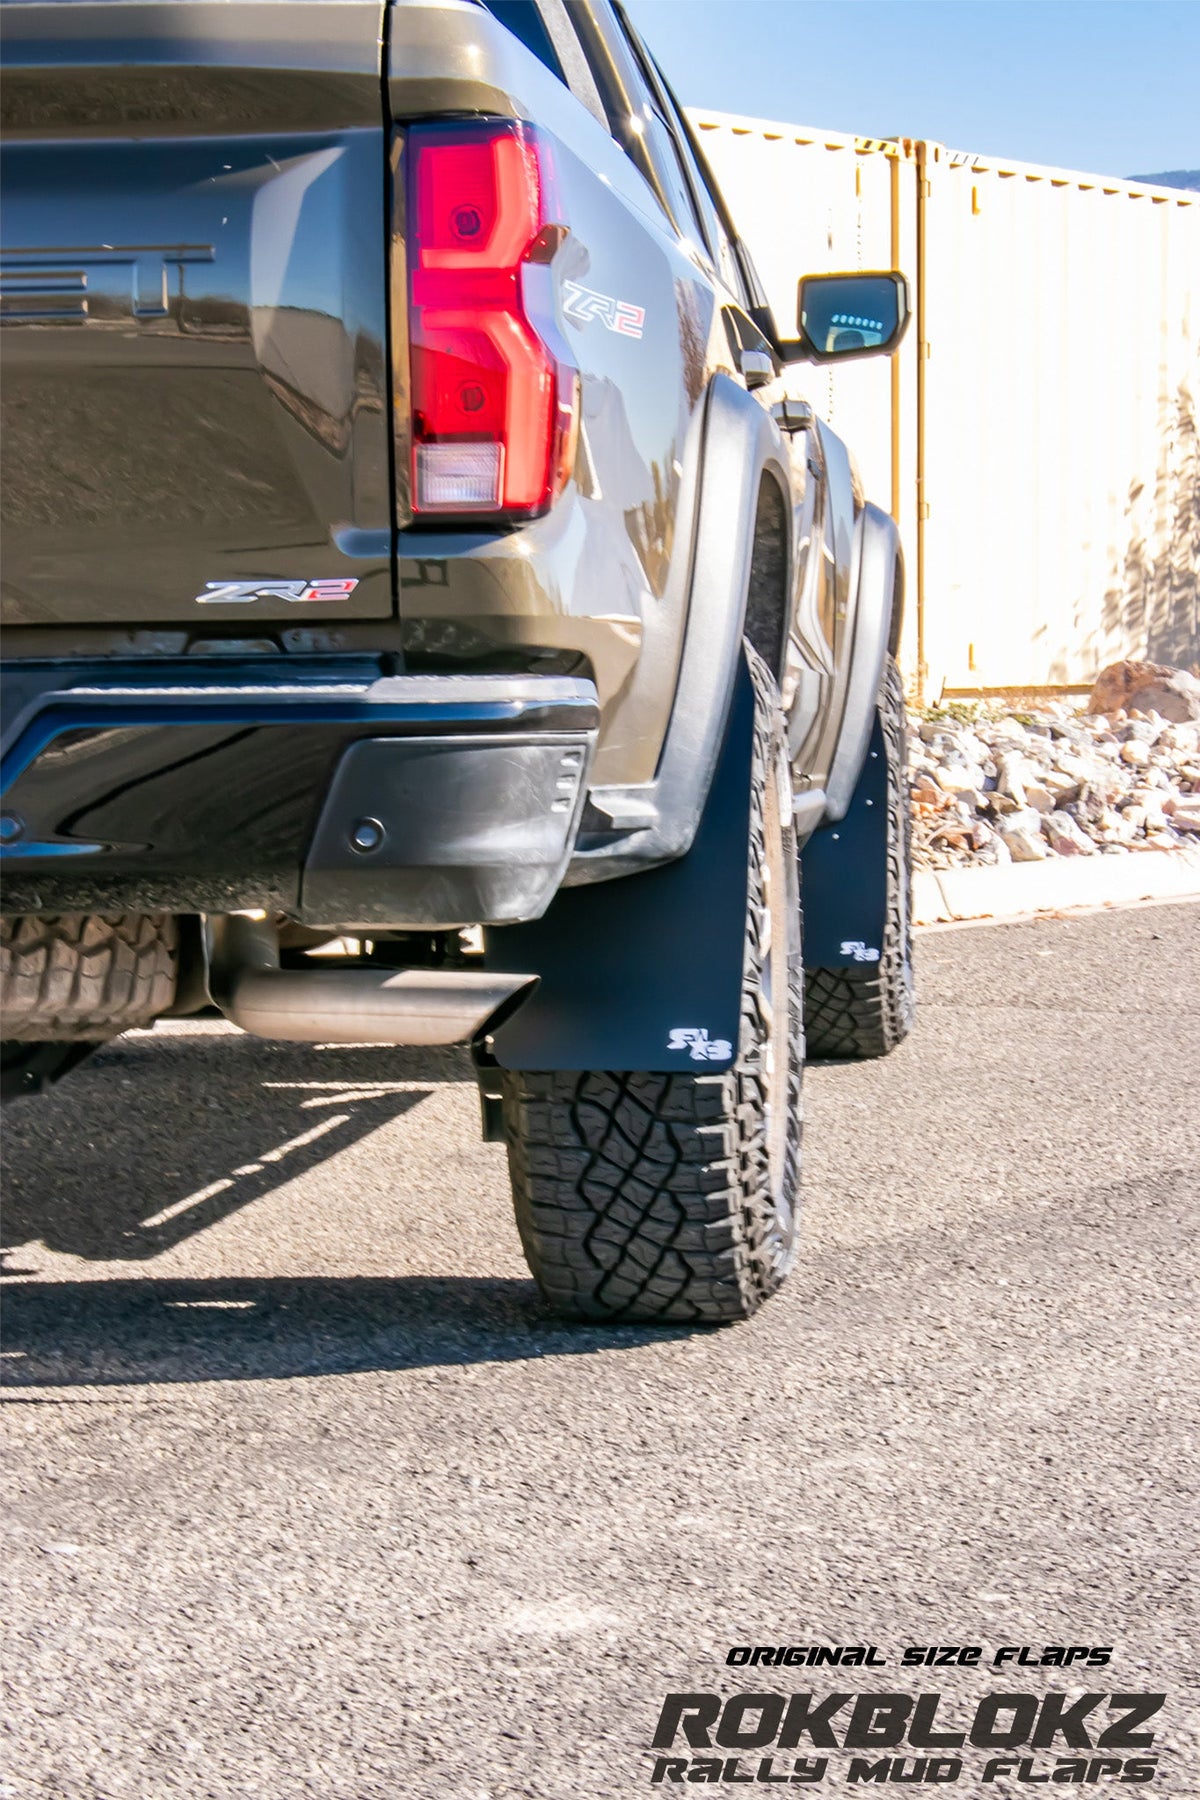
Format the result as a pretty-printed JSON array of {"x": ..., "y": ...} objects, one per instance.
[{"x": 1018, "y": 890}]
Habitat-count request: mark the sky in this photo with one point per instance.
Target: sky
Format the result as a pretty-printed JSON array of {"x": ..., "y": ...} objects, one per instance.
[{"x": 1109, "y": 86}]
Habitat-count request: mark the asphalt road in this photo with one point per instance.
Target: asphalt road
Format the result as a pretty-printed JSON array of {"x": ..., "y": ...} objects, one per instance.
[{"x": 309, "y": 1497}]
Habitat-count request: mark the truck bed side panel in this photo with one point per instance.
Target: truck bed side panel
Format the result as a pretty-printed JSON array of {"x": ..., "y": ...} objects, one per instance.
[{"x": 194, "y": 309}]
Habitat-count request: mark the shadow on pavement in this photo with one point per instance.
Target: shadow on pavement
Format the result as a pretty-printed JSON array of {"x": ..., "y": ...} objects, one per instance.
[
  {"x": 162, "y": 1136},
  {"x": 129, "y": 1332}
]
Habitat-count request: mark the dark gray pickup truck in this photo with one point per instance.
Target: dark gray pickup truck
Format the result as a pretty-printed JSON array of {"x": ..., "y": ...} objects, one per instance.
[{"x": 429, "y": 615}]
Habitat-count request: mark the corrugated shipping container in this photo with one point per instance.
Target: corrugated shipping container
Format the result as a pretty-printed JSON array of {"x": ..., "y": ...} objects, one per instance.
[{"x": 1037, "y": 436}]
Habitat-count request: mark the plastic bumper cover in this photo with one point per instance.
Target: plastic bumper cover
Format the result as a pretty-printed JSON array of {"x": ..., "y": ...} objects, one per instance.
[{"x": 337, "y": 796}]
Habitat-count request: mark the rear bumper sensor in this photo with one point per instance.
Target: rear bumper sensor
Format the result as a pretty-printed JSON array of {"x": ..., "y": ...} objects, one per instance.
[{"x": 340, "y": 799}]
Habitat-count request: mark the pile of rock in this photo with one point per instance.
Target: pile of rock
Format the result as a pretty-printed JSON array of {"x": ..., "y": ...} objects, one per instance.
[{"x": 1101, "y": 776}]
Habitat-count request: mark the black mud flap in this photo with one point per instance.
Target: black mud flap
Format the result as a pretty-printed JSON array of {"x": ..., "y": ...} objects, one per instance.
[
  {"x": 29, "y": 1069},
  {"x": 643, "y": 973},
  {"x": 843, "y": 873}
]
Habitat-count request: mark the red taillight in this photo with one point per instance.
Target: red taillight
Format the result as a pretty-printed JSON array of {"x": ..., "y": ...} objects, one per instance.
[{"x": 493, "y": 393}]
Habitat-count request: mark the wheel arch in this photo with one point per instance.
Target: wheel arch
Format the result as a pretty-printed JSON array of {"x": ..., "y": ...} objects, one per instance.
[
  {"x": 878, "y": 617},
  {"x": 769, "y": 589},
  {"x": 745, "y": 465}
]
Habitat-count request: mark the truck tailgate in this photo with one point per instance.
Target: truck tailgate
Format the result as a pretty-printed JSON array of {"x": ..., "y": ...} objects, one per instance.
[{"x": 195, "y": 375}]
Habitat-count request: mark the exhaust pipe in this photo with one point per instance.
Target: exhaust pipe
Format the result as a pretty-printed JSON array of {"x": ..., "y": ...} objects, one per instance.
[{"x": 347, "y": 1006}]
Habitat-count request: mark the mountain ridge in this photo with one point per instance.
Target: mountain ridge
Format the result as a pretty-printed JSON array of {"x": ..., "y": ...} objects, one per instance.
[{"x": 1177, "y": 178}]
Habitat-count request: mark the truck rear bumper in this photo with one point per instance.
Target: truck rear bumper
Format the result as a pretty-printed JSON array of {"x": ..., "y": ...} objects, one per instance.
[{"x": 330, "y": 793}]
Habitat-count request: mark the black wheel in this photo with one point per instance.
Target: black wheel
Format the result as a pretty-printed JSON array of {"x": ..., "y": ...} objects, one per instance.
[
  {"x": 675, "y": 1197},
  {"x": 858, "y": 1013}
]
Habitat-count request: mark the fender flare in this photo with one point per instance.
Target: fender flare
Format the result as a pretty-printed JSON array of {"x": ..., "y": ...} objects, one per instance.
[
  {"x": 878, "y": 615},
  {"x": 656, "y": 821}
]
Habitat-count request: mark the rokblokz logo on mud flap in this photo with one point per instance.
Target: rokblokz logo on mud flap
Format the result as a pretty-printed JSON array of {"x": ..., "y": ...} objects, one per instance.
[{"x": 699, "y": 1046}]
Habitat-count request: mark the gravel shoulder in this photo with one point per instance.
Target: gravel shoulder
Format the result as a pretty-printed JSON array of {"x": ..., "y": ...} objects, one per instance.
[
  {"x": 990, "y": 788},
  {"x": 307, "y": 1496}
]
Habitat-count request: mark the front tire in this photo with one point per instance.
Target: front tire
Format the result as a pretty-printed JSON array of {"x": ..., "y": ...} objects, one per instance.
[
  {"x": 674, "y": 1197},
  {"x": 860, "y": 1013}
]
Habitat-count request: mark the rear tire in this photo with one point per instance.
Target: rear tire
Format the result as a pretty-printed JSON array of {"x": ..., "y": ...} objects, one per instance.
[
  {"x": 674, "y": 1197},
  {"x": 859, "y": 1013},
  {"x": 78, "y": 977}
]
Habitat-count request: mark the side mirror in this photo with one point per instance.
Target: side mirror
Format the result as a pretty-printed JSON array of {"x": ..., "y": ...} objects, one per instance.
[{"x": 844, "y": 317}]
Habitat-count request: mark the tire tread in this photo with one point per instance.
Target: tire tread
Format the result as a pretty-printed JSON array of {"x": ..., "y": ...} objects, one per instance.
[
  {"x": 80, "y": 976},
  {"x": 858, "y": 1014},
  {"x": 641, "y": 1196}
]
